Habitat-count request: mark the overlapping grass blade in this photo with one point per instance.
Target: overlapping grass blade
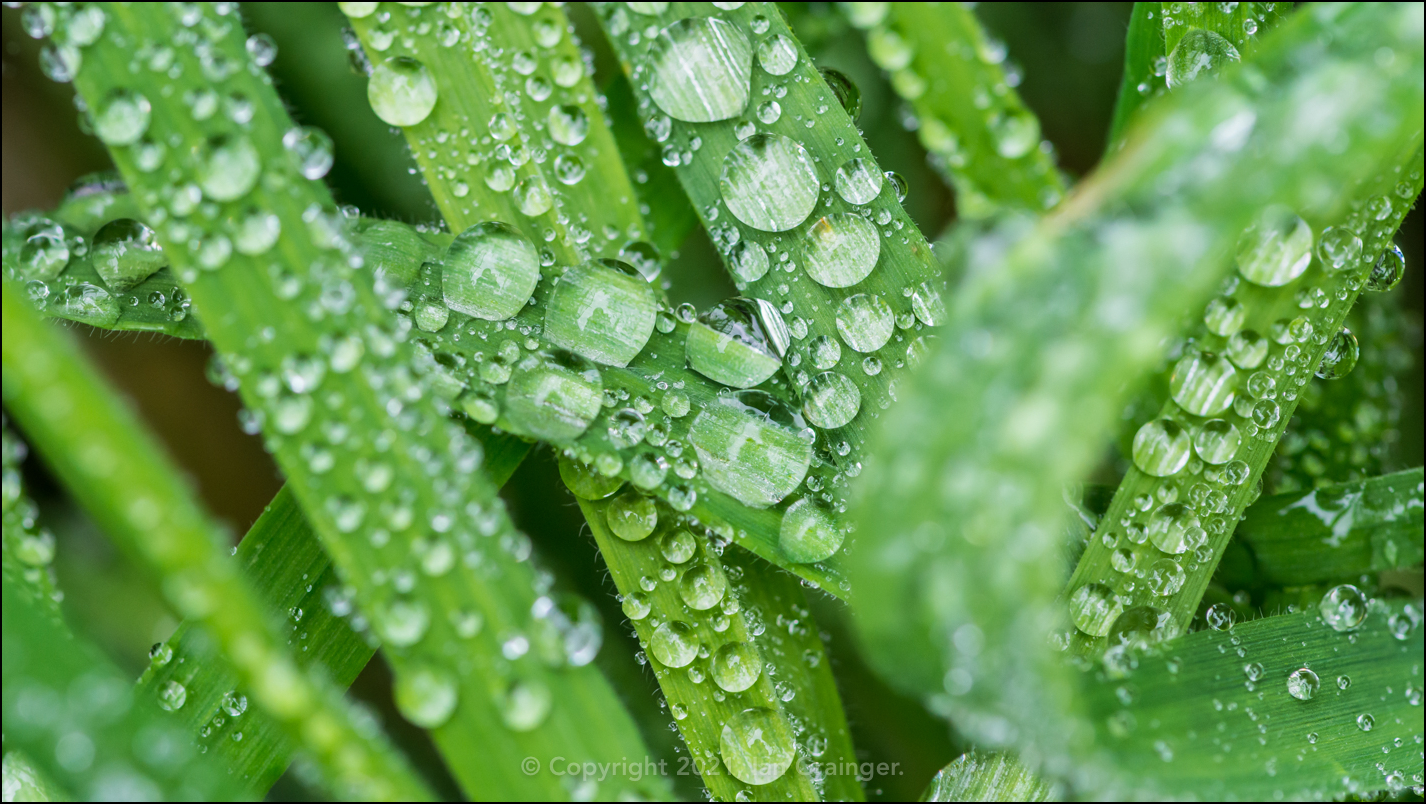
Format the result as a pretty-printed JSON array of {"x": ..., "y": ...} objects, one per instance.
[
  {"x": 955, "y": 586},
  {"x": 980, "y": 135},
  {"x": 345, "y": 415},
  {"x": 988, "y": 777},
  {"x": 28, "y": 550}
]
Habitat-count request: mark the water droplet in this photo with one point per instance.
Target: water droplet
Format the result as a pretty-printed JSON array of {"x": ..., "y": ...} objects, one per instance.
[
  {"x": 736, "y": 667},
  {"x": 1199, "y": 53},
  {"x": 233, "y": 704},
  {"x": 1203, "y": 383},
  {"x": 257, "y": 231},
  {"x": 1343, "y": 607},
  {"x": 1161, "y": 448},
  {"x": 585, "y": 482},
  {"x": 1094, "y": 608},
  {"x": 402, "y": 622},
  {"x": 603, "y": 310},
  {"x": 702, "y": 587},
  {"x": 865, "y": 322},
  {"x": 1225, "y": 316},
  {"x": 1389, "y": 269},
  {"x": 1174, "y": 529},
  {"x": 489, "y": 271},
  {"x": 1340, "y": 357},
  {"x": 757, "y": 746},
  {"x": 568, "y": 125},
  {"x": 841, "y": 250},
  {"x": 768, "y": 182},
  {"x": 846, "y": 92},
  {"x": 738, "y": 343},
  {"x": 125, "y": 253},
  {"x": 632, "y": 517},
  {"x": 228, "y": 168},
  {"x": 831, "y": 400},
  {"x": 699, "y": 70},
  {"x": 310, "y": 150},
  {"x": 160, "y": 654},
  {"x": 1247, "y": 349},
  {"x": 1016, "y": 133},
  {"x": 554, "y": 395},
  {"x": 401, "y": 91},
  {"x": 808, "y": 534},
  {"x": 1366, "y": 722},
  {"x": 262, "y": 49},
  {"x": 1276, "y": 249},
  {"x": 858, "y": 181},
  {"x": 426, "y": 696},
  {"x": 172, "y": 696},
  {"x": 777, "y": 54},
  {"x": 1220, "y": 617},
  {"x": 1217, "y": 441},
  {"x": 678, "y": 547},
  {"x": 45, "y": 252},
  {"x": 526, "y": 705},
  {"x": 1302, "y": 684},
  {"x": 87, "y": 303},
  {"x": 825, "y": 352},
  {"x": 748, "y": 261},
  {"x": 1165, "y": 577},
  {"x": 1339, "y": 249},
  {"x": 122, "y": 118},
  {"x": 750, "y": 447},
  {"x": 674, "y": 644}
]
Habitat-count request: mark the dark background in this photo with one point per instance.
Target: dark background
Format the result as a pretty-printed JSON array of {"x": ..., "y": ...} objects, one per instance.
[{"x": 1071, "y": 55}]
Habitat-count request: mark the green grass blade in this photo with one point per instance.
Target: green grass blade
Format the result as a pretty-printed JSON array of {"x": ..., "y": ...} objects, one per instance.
[
  {"x": 871, "y": 250},
  {"x": 1220, "y": 700},
  {"x": 436, "y": 565},
  {"x": 28, "y": 550},
  {"x": 666, "y": 211},
  {"x": 988, "y": 777},
  {"x": 960, "y": 514},
  {"x": 710, "y": 601},
  {"x": 24, "y": 781},
  {"x": 1336, "y": 533},
  {"x": 72, "y": 713},
  {"x": 1143, "y": 48},
  {"x": 109, "y": 462},
  {"x": 980, "y": 135}
]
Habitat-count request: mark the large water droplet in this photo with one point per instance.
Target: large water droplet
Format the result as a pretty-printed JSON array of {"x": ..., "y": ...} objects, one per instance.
[
  {"x": 401, "y": 91},
  {"x": 1217, "y": 441},
  {"x": 587, "y": 483},
  {"x": 1174, "y": 529},
  {"x": 702, "y": 587},
  {"x": 1276, "y": 249},
  {"x": 125, "y": 253},
  {"x": 748, "y": 261},
  {"x": 699, "y": 70},
  {"x": 678, "y": 547},
  {"x": 1199, "y": 53},
  {"x": 1339, "y": 249},
  {"x": 490, "y": 271},
  {"x": 632, "y": 517},
  {"x": 1161, "y": 448},
  {"x": 87, "y": 303},
  {"x": 858, "y": 181},
  {"x": 1389, "y": 269},
  {"x": 1343, "y": 607},
  {"x": 807, "y": 533},
  {"x": 603, "y": 310},
  {"x": 526, "y": 705},
  {"x": 228, "y": 168},
  {"x": 45, "y": 253},
  {"x": 736, "y": 666},
  {"x": 750, "y": 447},
  {"x": 831, "y": 400},
  {"x": 172, "y": 696},
  {"x": 568, "y": 125},
  {"x": 1094, "y": 608},
  {"x": 426, "y": 696},
  {"x": 844, "y": 90},
  {"x": 768, "y": 182},
  {"x": 757, "y": 746},
  {"x": 1340, "y": 357},
  {"x": 777, "y": 54},
  {"x": 865, "y": 322},
  {"x": 553, "y": 396},
  {"x": 1247, "y": 349},
  {"x": 841, "y": 250},
  {"x": 738, "y": 343},
  {"x": 1302, "y": 684},
  {"x": 122, "y": 118},
  {"x": 1165, "y": 577},
  {"x": 1203, "y": 383},
  {"x": 674, "y": 644}
]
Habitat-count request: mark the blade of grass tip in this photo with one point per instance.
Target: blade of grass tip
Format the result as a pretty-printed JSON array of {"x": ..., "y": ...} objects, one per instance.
[
  {"x": 24, "y": 781},
  {"x": 758, "y": 135},
  {"x": 980, "y": 135},
  {"x": 108, "y": 461},
  {"x": 655, "y": 404},
  {"x": 436, "y": 567},
  {"x": 1275, "y": 324},
  {"x": 1348, "y": 428},
  {"x": 988, "y": 777},
  {"x": 72, "y": 713},
  {"x": 956, "y": 583},
  {"x": 1336, "y": 533},
  {"x": 28, "y": 554},
  {"x": 1285, "y": 707}
]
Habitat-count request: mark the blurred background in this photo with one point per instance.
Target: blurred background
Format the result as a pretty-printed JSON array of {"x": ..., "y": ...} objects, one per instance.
[{"x": 1070, "y": 56}]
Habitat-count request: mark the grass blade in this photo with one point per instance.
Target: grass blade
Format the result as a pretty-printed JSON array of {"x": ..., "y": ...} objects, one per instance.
[
  {"x": 980, "y": 135},
  {"x": 1143, "y": 48},
  {"x": 961, "y": 514},
  {"x": 72, "y": 713},
  {"x": 108, "y": 461},
  {"x": 28, "y": 554},
  {"x": 451, "y": 673},
  {"x": 988, "y": 777}
]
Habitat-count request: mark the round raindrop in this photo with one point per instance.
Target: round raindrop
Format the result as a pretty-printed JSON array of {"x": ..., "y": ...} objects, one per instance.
[
  {"x": 777, "y": 54},
  {"x": 1174, "y": 529},
  {"x": 841, "y": 250},
  {"x": 748, "y": 261},
  {"x": 1203, "y": 383},
  {"x": 1094, "y": 608},
  {"x": 553, "y": 396},
  {"x": 1225, "y": 316},
  {"x": 858, "y": 181},
  {"x": 807, "y": 533},
  {"x": 769, "y": 183},
  {"x": 1161, "y": 448},
  {"x": 1340, "y": 357},
  {"x": 1339, "y": 249},
  {"x": 1276, "y": 249},
  {"x": 632, "y": 517},
  {"x": 1389, "y": 269},
  {"x": 674, "y": 644},
  {"x": 426, "y": 696},
  {"x": 845, "y": 91},
  {"x": 1302, "y": 684},
  {"x": 1165, "y": 577},
  {"x": 489, "y": 271},
  {"x": 125, "y": 253},
  {"x": 401, "y": 91},
  {"x": 526, "y": 705},
  {"x": 568, "y": 125},
  {"x": 310, "y": 150},
  {"x": 702, "y": 587},
  {"x": 1343, "y": 607},
  {"x": 603, "y": 310},
  {"x": 122, "y": 118},
  {"x": 750, "y": 446},
  {"x": 1198, "y": 54},
  {"x": 1217, "y": 441},
  {"x": 736, "y": 667},
  {"x": 757, "y": 746},
  {"x": 228, "y": 168},
  {"x": 699, "y": 69},
  {"x": 831, "y": 400},
  {"x": 865, "y": 322}
]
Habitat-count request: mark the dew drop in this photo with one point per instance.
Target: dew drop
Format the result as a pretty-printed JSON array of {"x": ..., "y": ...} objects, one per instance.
[
  {"x": 739, "y": 342},
  {"x": 807, "y": 534},
  {"x": 1173, "y": 528},
  {"x": 401, "y": 91},
  {"x": 568, "y": 125},
  {"x": 1203, "y": 383},
  {"x": 1302, "y": 684},
  {"x": 1220, "y": 617},
  {"x": 125, "y": 253},
  {"x": 1217, "y": 441},
  {"x": 700, "y": 68},
  {"x": 702, "y": 587},
  {"x": 768, "y": 182},
  {"x": 603, "y": 310},
  {"x": 310, "y": 151},
  {"x": 777, "y": 54},
  {"x": 489, "y": 271},
  {"x": 122, "y": 118},
  {"x": 831, "y": 400},
  {"x": 757, "y": 746},
  {"x": 846, "y": 92},
  {"x": 172, "y": 696},
  {"x": 1339, "y": 249},
  {"x": 750, "y": 447},
  {"x": 865, "y": 322},
  {"x": 748, "y": 261},
  {"x": 1161, "y": 448},
  {"x": 1276, "y": 249},
  {"x": 841, "y": 250},
  {"x": 674, "y": 644},
  {"x": 858, "y": 181},
  {"x": 1343, "y": 607},
  {"x": 632, "y": 517},
  {"x": 526, "y": 705},
  {"x": 1199, "y": 53},
  {"x": 1165, "y": 577},
  {"x": 426, "y": 696},
  {"x": 1340, "y": 357},
  {"x": 736, "y": 667},
  {"x": 1389, "y": 269},
  {"x": 1094, "y": 608},
  {"x": 228, "y": 168}
]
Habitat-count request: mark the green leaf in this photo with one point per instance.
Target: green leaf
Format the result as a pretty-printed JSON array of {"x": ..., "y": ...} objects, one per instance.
[
  {"x": 1336, "y": 533},
  {"x": 988, "y": 777},
  {"x": 1143, "y": 48},
  {"x": 28, "y": 550},
  {"x": 980, "y": 135},
  {"x": 961, "y": 514},
  {"x": 667, "y": 213}
]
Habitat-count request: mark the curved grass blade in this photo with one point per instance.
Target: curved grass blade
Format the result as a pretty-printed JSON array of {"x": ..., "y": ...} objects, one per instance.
[
  {"x": 345, "y": 414},
  {"x": 28, "y": 554},
  {"x": 1144, "y": 55},
  {"x": 108, "y": 461},
  {"x": 1280, "y": 707},
  {"x": 961, "y": 512},
  {"x": 988, "y": 777},
  {"x": 73, "y": 714},
  {"x": 980, "y": 135},
  {"x": 1336, "y": 533}
]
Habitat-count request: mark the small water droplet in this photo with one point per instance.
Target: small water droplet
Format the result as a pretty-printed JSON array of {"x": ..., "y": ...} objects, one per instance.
[
  {"x": 674, "y": 644},
  {"x": 122, "y": 117},
  {"x": 1302, "y": 684},
  {"x": 736, "y": 666},
  {"x": 1340, "y": 357},
  {"x": 1343, "y": 607}
]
